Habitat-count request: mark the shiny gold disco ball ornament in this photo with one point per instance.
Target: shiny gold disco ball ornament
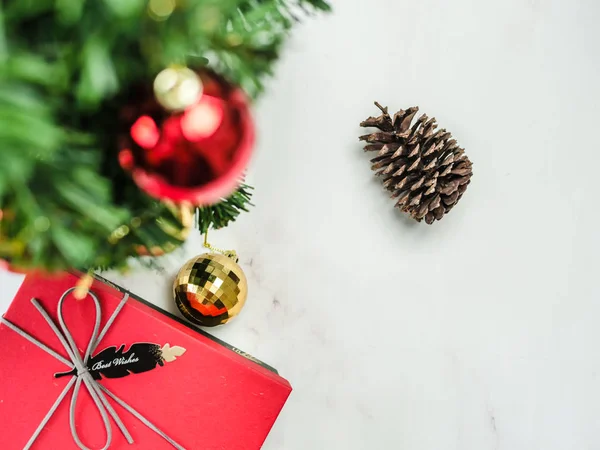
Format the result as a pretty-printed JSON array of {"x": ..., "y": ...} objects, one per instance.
[{"x": 210, "y": 289}]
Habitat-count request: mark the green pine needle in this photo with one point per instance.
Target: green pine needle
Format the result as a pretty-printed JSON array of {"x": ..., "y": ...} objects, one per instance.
[{"x": 221, "y": 214}]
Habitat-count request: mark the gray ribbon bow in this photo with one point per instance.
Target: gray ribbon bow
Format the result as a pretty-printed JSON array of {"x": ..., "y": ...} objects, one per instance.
[{"x": 96, "y": 390}]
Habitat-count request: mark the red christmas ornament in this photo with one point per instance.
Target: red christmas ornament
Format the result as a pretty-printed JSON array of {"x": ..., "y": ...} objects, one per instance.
[{"x": 197, "y": 154}]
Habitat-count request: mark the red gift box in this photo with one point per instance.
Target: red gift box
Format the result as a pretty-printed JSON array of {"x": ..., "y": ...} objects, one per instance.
[{"x": 199, "y": 391}]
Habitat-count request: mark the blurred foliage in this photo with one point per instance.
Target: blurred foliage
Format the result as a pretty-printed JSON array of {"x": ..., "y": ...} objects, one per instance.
[{"x": 63, "y": 66}]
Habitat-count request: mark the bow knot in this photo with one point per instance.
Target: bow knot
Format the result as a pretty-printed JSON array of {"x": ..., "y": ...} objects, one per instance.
[{"x": 81, "y": 374}]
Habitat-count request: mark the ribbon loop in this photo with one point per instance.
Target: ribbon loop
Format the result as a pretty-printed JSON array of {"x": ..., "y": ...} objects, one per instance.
[
  {"x": 101, "y": 409},
  {"x": 81, "y": 374}
]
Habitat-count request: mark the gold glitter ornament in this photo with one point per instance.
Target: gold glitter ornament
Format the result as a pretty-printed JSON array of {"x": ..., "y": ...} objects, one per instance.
[{"x": 210, "y": 289}]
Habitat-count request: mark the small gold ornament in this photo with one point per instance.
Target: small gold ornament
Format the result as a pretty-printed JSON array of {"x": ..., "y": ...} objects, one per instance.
[
  {"x": 185, "y": 214},
  {"x": 211, "y": 289},
  {"x": 177, "y": 88},
  {"x": 83, "y": 286},
  {"x": 160, "y": 10}
]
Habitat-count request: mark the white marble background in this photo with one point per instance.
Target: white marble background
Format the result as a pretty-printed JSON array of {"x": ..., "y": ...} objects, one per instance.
[{"x": 479, "y": 332}]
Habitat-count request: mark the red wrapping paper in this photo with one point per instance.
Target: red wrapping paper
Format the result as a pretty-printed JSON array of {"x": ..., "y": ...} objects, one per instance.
[{"x": 211, "y": 397}]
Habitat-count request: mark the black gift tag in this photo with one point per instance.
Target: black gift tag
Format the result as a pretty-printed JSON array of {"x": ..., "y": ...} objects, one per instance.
[{"x": 117, "y": 363}]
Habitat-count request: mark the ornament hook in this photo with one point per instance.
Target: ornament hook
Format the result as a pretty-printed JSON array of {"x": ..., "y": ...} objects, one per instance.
[{"x": 229, "y": 253}]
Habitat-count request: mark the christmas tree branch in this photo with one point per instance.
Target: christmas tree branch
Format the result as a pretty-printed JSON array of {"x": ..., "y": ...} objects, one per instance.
[
  {"x": 65, "y": 66},
  {"x": 220, "y": 215}
]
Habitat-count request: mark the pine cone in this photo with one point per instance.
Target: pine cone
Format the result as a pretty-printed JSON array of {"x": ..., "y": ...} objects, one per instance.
[{"x": 424, "y": 168}]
